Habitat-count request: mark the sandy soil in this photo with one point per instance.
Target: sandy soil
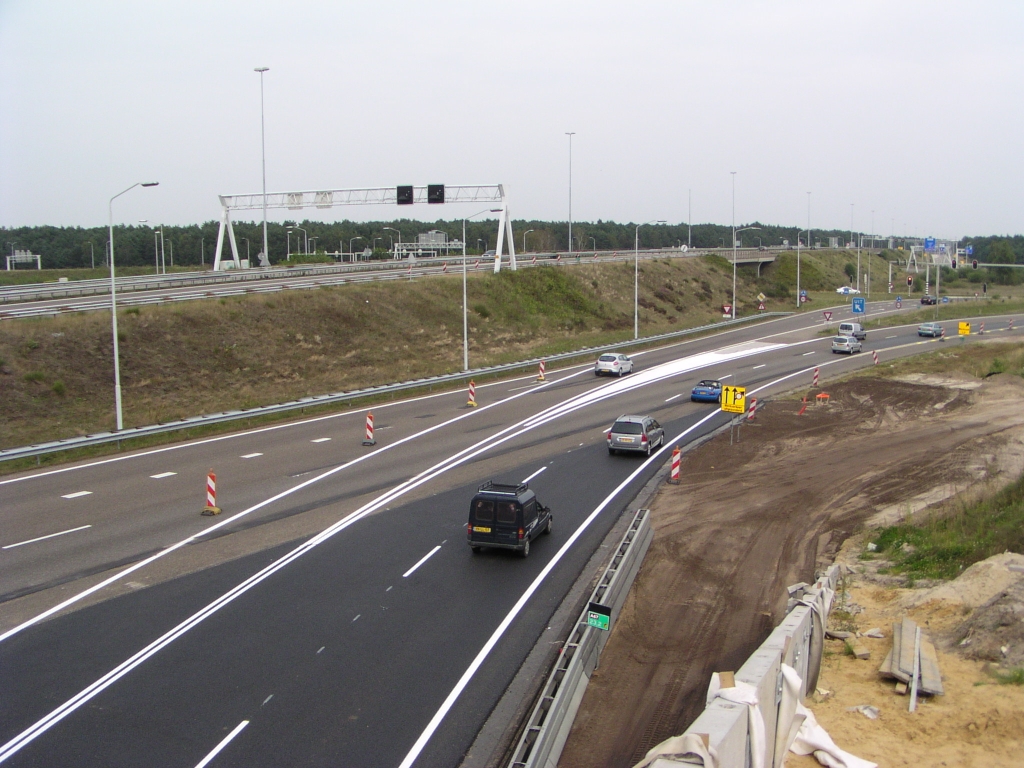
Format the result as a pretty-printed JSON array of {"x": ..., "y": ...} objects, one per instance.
[{"x": 750, "y": 519}]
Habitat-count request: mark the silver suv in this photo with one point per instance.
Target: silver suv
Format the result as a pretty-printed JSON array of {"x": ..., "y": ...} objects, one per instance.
[
  {"x": 636, "y": 434},
  {"x": 847, "y": 344}
]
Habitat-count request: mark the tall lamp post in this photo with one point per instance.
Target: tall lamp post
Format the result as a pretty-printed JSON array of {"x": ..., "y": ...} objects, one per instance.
[
  {"x": 799, "y": 303},
  {"x": 113, "y": 301},
  {"x": 305, "y": 234},
  {"x": 246, "y": 248},
  {"x": 465, "y": 310},
  {"x": 314, "y": 239},
  {"x": 570, "y": 134},
  {"x": 524, "y": 238},
  {"x": 636, "y": 276},
  {"x": 288, "y": 243},
  {"x": 263, "y": 145},
  {"x": 350, "y": 241},
  {"x": 392, "y": 229}
]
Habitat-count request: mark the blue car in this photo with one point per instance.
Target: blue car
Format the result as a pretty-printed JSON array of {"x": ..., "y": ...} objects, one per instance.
[{"x": 707, "y": 391}]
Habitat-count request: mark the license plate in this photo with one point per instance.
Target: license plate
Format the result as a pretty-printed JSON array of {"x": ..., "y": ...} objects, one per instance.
[
  {"x": 481, "y": 529},
  {"x": 625, "y": 439}
]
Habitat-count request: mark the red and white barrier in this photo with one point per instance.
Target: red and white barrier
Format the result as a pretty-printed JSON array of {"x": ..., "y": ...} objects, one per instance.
[
  {"x": 674, "y": 475},
  {"x": 211, "y": 507},
  {"x": 534, "y": 260},
  {"x": 942, "y": 334},
  {"x": 814, "y": 381},
  {"x": 368, "y": 440},
  {"x": 477, "y": 264},
  {"x": 982, "y": 328},
  {"x": 752, "y": 410},
  {"x": 874, "y": 354},
  {"x": 444, "y": 267},
  {"x": 472, "y": 394},
  {"x": 1011, "y": 324},
  {"x": 540, "y": 375}
]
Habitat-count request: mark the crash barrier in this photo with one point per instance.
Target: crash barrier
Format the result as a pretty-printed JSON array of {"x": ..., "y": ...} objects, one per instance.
[
  {"x": 551, "y": 719},
  {"x": 341, "y": 397},
  {"x": 739, "y": 730}
]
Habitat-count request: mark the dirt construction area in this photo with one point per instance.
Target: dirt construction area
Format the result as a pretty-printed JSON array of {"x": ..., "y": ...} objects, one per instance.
[{"x": 749, "y": 519}]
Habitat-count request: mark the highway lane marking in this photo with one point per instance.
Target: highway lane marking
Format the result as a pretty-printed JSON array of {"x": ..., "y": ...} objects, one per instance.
[
  {"x": 163, "y": 475},
  {"x": 759, "y": 366},
  {"x": 723, "y": 378},
  {"x": 890, "y": 337},
  {"x": 320, "y": 440},
  {"x": 389, "y": 589},
  {"x": 266, "y": 700},
  {"x": 76, "y": 494},
  {"x": 250, "y": 455},
  {"x": 47, "y": 536},
  {"x": 674, "y": 397},
  {"x": 537, "y": 473},
  {"x": 356, "y": 618},
  {"x": 321, "y": 649},
  {"x": 805, "y": 354},
  {"x": 422, "y": 560},
  {"x": 224, "y": 742}
]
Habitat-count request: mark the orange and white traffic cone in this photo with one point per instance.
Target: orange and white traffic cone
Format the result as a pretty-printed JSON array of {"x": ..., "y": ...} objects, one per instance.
[
  {"x": 540, "y": 375},
  {"x": 368, "y": 440},
  {"x": 674, "y": 475},
  {"x": 472, "y": 395},
  {"x": 211, "y": 507}
]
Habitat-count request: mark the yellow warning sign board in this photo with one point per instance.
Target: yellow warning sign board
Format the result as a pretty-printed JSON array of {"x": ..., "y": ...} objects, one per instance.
[
  {"x": 734, "y": 399},
  {"x": 965, "y": 329}
]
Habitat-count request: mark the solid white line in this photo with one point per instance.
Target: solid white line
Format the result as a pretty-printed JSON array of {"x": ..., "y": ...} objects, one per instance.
[
  {"x": 534, "y": 474},
  {"x": 48, "y": 536},
  {"x": 163, "y": 475},
  {"x": 250, "y": 456},
  {"x": 423, "y": 559},
  {"x": 674, "y": 397},
  {"x": 325, "y": 439},
  {"x": 226, "y": 740},
  {"x": 76, "y": 494},
  {"x": 759, "y": 366}
]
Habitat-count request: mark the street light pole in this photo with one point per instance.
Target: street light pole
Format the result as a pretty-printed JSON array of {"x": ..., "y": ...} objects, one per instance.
[
  {"x": 524, "y": 238},
  {"x": 570, "y": 134},
  {"x": 593, "y": 240},
  {"x": 689, "y": 220},
  {"x": 263, "y": 145},
  {"x": 465, "y": 309},
  {"x": 798, "y": 294},
  {"x": 246, "y": 248},
  {"x": 113, "y": 301},
  {"x": 92, "y": 255},
  {"x": 392, "y": 229},
  {"x": 350, "y": 241},
  {"x": 636, "y": 276},
  {"x": 733, "y": 244}
]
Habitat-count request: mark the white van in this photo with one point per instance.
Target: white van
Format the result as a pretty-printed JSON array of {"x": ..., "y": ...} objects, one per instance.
[{"x": 853, "y": 329}]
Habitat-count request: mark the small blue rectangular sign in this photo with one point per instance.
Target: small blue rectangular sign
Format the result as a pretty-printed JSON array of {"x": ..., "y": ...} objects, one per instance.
[{"x": 859, "y": 306}]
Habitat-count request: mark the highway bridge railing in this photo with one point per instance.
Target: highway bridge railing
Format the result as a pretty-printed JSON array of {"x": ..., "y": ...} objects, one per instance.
[
  {"x": 548, "y": 726},
  {"x": 101, "y": 438}
]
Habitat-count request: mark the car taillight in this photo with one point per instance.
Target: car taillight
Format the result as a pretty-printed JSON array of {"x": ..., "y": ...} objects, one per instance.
[
  {"x": 643, "y": 438},
  {"x": 520, "y": 533},
  {"x": 608, "y": 435}
]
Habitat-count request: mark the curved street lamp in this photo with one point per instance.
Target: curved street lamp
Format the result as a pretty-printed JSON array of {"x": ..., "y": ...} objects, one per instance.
[
  {"x": 352, "y": 240},
  {"x": 113, "y": 301},
  {"x": 636, "y": 276},
  {"x": 524, "y": 238}
]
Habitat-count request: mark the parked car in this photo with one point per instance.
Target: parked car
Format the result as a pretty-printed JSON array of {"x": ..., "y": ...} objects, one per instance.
[
  {"x": 927, "y": 300},
  {"x": 929, "y": 329},
  {"x": 506, "y": 517},
  {"x": 847, "y": 344},
  {"x": 846, "y": 290},
  {"x": 853, "y": 329},
  {"x": 613, "y": 364},
  {"x": 635, "y": 434},
  {"x": 707, "y": 391}
]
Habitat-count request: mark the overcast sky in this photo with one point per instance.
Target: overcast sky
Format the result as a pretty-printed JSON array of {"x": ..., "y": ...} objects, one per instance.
[{"x": 914, "y": 110}]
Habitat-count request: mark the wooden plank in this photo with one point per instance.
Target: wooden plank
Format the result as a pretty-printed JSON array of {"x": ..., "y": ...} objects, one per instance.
[
  {"x": 931, "y": 680},
  {"x": 897, "y": 650},
  {"x": 886, "y": 669},
  {"x": 860, "y": 651},
  {"x": 904, "y": 665},
  {"x": 901, "y": 689}
]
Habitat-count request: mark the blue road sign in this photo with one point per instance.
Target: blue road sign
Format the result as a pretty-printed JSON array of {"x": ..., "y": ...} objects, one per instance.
[
  {"x": 803, "y": 293},
  {"x": 899, "y": 298},
  {"x": 929, "y": 243},
  {"x": 859, "y": 306},
  {"x": 970, "y": 250}
]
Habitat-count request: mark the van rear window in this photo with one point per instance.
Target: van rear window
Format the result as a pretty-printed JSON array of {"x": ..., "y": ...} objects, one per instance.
[
  {"x": 506, "y": 512},
  {"x": 483, "y": 511}
]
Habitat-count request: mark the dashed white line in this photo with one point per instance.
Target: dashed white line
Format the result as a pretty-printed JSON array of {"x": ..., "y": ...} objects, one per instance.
[
  {"x": 669, "y": 400},
  {"x": 723, "y": 378},
  {"x": 266, "y": 700},
  {"x": 76, "y": 494},
  {"x": 48, "y": 536},
  {"x": 805, "y": 354},
  {"x": 389, "y": 589},
  {"x": 759, "y": 366},
  {"x": 320, "y": 440},
  {"x": 163, "y": 475},
  {"x": 357, "y": 617},
  {"x": 424, "y": 559},
  {"x": 321, "y": 649},
  {"x": 224, "y": 742},
  {"x": 529, "y": 478},
  {"x": 890, "y": 337},
  {"x": 250, "y": 455}
]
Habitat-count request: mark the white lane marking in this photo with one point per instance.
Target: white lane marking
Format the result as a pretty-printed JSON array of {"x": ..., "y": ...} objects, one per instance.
[
  {"x": 805, "y": 354},
  {"x": 890, "y": 337},
  {"x": 759, "y": 366},
  {"x": 357, "y": 617},
  {"x": 48, "y": 536},
  {"x": 466, "y": 455},
  {"x": 250, "y": 455},
  {"x": 320, "y": 440},
  {"x": 266, "y": 700},
  {"x": 492, "y": 641},
  {"x": 163, "y": 475},
  {"x": 723, "y": 378},
  {"x": 224, "y": 742},
  {"x": 527, "y": 386},
  {"x": 321, "y": 649},
  {"x": 537, "y": 473},
  {"x": 76, "y": 494},
  {"x": 422, "y": 560},
  {"x": 389, "y": 589},
  {"x": 674, "y": 397}
]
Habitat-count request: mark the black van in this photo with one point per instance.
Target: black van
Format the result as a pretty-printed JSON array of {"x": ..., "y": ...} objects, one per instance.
[{"x": 506, "y": 517}]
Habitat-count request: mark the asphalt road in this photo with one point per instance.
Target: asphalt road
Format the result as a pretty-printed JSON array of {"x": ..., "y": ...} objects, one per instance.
[{"x": 334, "y": 614}]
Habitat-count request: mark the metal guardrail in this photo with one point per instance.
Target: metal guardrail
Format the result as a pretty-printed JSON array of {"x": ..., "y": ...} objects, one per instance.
[
  {"x": 549, "y": 724},
  {"x": 306, "y": 402}
]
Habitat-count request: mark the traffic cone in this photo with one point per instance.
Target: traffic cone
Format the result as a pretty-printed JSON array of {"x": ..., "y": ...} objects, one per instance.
[{"x": 211, "y": 507}]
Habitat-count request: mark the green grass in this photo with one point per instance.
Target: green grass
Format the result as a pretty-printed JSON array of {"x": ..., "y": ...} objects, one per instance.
[
  {"x": 1012, "y": 677},
  {"x": 942, "y": 546}
]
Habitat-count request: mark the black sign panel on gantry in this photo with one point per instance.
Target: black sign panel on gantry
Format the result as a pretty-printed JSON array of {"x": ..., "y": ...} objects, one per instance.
[
  {"x": 435, "y": 193},
  {"x": 404, "y": 195}
]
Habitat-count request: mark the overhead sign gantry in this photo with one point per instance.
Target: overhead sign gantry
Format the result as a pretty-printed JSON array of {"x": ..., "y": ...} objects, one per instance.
[{"x": 399, "y": 195}]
